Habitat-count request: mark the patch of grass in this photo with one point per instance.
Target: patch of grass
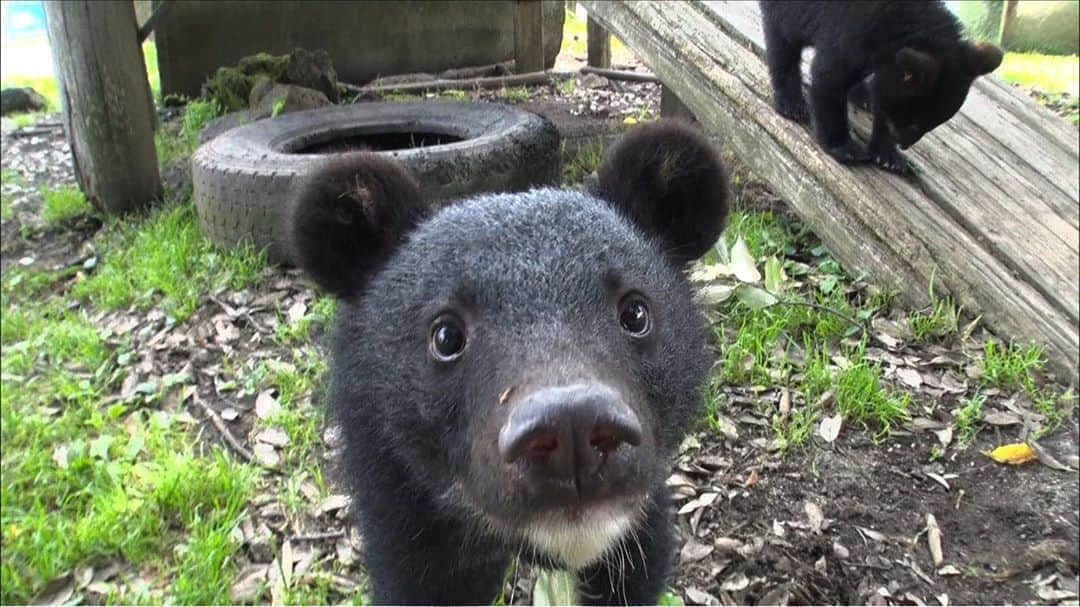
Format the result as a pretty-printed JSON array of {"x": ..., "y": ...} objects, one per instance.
[
  {"x": 7, "y": 205},
  {"x": 196, "y": 115},
  {"x": 968, "y": 418},
  {"x": 83, "y": 481},
  {"x": 1010, "y": 367},
  {"x": 793, "y": 432},
  {"x": 861, "y": 398},
  {"x": 1054, "y": 407},
  {"x": 567, "y": 86},
  {"x": 454, "y": 94},
  {"x": 174, "y": 144},
  {"x": 26, "y": 119},
  {"x": 164, "y": 260},
  {"x": 64, "y": 204},
  {"x": 515, "y": 94},
  {"x": 400, "y": 97},
  {"x": 586, "y": 160},
  {"x": 1048, "y": 73},
  {"x": 941, "y": 321},
  {"x": 299, "y": 332}
]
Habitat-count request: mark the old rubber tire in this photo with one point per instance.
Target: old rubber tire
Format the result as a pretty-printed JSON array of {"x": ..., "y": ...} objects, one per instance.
[{"x": 243, "y": 178}]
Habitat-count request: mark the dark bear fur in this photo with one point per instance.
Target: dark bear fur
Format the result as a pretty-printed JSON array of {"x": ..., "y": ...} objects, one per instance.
[
  {"x": 536, "y": 281},
  {"x": 909, "y": 55}
]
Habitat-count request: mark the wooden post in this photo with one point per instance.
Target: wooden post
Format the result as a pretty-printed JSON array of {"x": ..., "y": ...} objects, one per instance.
[
  {"x": 528, "y": 36},
  {"x": 599, "y": 41},
  {"x": 105, "y": 97},
  {"x": 1008, "y": 23},
  {"x": 673, "y": 107}
]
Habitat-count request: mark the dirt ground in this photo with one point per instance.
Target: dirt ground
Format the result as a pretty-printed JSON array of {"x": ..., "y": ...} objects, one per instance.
[{"x": 837, "y": 522}]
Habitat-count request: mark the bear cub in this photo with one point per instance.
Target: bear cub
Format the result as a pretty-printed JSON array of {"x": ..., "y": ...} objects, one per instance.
[
  {"x": 512, "y": 373},
  {"x": 907, "y": 59}
]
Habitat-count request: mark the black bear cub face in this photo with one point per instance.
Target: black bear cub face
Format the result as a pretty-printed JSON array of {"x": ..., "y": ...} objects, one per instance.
[
  {"x": 918, "y": 91},
  {"x": 513, "y": 373}
]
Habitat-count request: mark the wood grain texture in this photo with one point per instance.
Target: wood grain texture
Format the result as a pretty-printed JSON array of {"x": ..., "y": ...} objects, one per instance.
[{"x": 991, "y": 214}]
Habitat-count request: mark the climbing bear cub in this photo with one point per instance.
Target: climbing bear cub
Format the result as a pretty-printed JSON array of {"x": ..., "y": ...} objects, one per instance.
[
  {"x": 907, "y": 58},
  {"x": 512, "y": 373}
]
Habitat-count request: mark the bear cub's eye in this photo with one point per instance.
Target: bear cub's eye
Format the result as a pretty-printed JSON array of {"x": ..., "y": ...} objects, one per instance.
[
  {"x": 447, "y": 339},
  {"x": 634, "y": 316}
]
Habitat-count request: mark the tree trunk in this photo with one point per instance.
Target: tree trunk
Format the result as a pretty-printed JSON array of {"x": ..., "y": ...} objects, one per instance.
[
  {"x": 991, "y": 215},
  {"x": 105, "y": 97}
]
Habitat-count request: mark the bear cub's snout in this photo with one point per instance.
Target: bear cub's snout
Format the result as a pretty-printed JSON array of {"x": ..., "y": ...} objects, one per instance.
[{"x": 513, "y": 373}]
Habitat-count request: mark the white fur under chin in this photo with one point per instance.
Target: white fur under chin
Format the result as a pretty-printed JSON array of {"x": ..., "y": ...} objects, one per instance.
[{"x": 582, "y": 543}]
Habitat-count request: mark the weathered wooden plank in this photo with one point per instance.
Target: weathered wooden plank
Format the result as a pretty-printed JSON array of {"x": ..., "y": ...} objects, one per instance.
[
  {"x": 991, "y": 214},
  {"x": 107, "y": 110},
  {"x": 528, "y": 36}
]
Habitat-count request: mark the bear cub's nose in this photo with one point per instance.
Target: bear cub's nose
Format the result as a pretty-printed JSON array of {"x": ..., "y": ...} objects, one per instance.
[{"x": 565, "y": 433}]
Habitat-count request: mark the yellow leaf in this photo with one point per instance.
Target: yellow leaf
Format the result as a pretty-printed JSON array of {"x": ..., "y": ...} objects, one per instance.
[
  {"x": 1015, "y": 454},
  {"x": 629, "y": 120}
]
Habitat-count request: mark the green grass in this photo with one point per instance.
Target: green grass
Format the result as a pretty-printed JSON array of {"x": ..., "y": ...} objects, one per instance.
[
  {"x": 941, "y": 321},
  {"x": 83, "y": 481},
  {"x": 516, "y": 94},
  {"x": 164, "y": 261},
  {"x": 968, "y": 419},
  {"x": 586, "y": 160},
  {"x": 1010, "y": 367},
  {"x": 64, "y": 204},
  {"x": 805, "y": 340},
  {"x": 8, "y": 178},
  {"x": 1048, "y": 73},
  {"x": 175, "y": 145},
  {"x": 567, "y": 86},
  {"x": 299, "y": 332}
]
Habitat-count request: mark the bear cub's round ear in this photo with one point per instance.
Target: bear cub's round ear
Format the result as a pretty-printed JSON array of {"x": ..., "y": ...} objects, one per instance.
[
  {"x": 984, "y": 57},
  {"x": 666, "y": 177},
  {"x": 348, "y": 216}
]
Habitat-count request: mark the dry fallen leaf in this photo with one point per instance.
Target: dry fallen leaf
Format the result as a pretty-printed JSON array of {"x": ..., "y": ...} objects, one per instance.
[
  {"x": 700, "y": 597},
  {"x": 702, "y": 501},
  {"x": 933, "y": 537},
  {"x": 752, "y": 479},
  {"x": 910, "y": 377},
  {"x": 784, "y": 406},
  {"x": 1013, "y": 454},
  {"x": 815, "y": 516},
  {"x": 693, "y": 551},
  {"x": 829, "y": 428},
  {"x": 273, "y": 436},
  {"x": 266, "y": 454},
  {"x": 742, "y": 262},
  {"x": 266, "y": 405}
]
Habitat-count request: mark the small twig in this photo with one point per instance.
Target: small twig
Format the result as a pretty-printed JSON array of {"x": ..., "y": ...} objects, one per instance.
[
  {"x": 849, "y": 319},
  {"x": 620, "y": 74},
  {"x": 32, "y": 132},
  {"x": 318, "y": 537},
  {"x": 224, "y": 431},
  {"x": 235, "y": 313},
  {"x": 466, "y": 84}
]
